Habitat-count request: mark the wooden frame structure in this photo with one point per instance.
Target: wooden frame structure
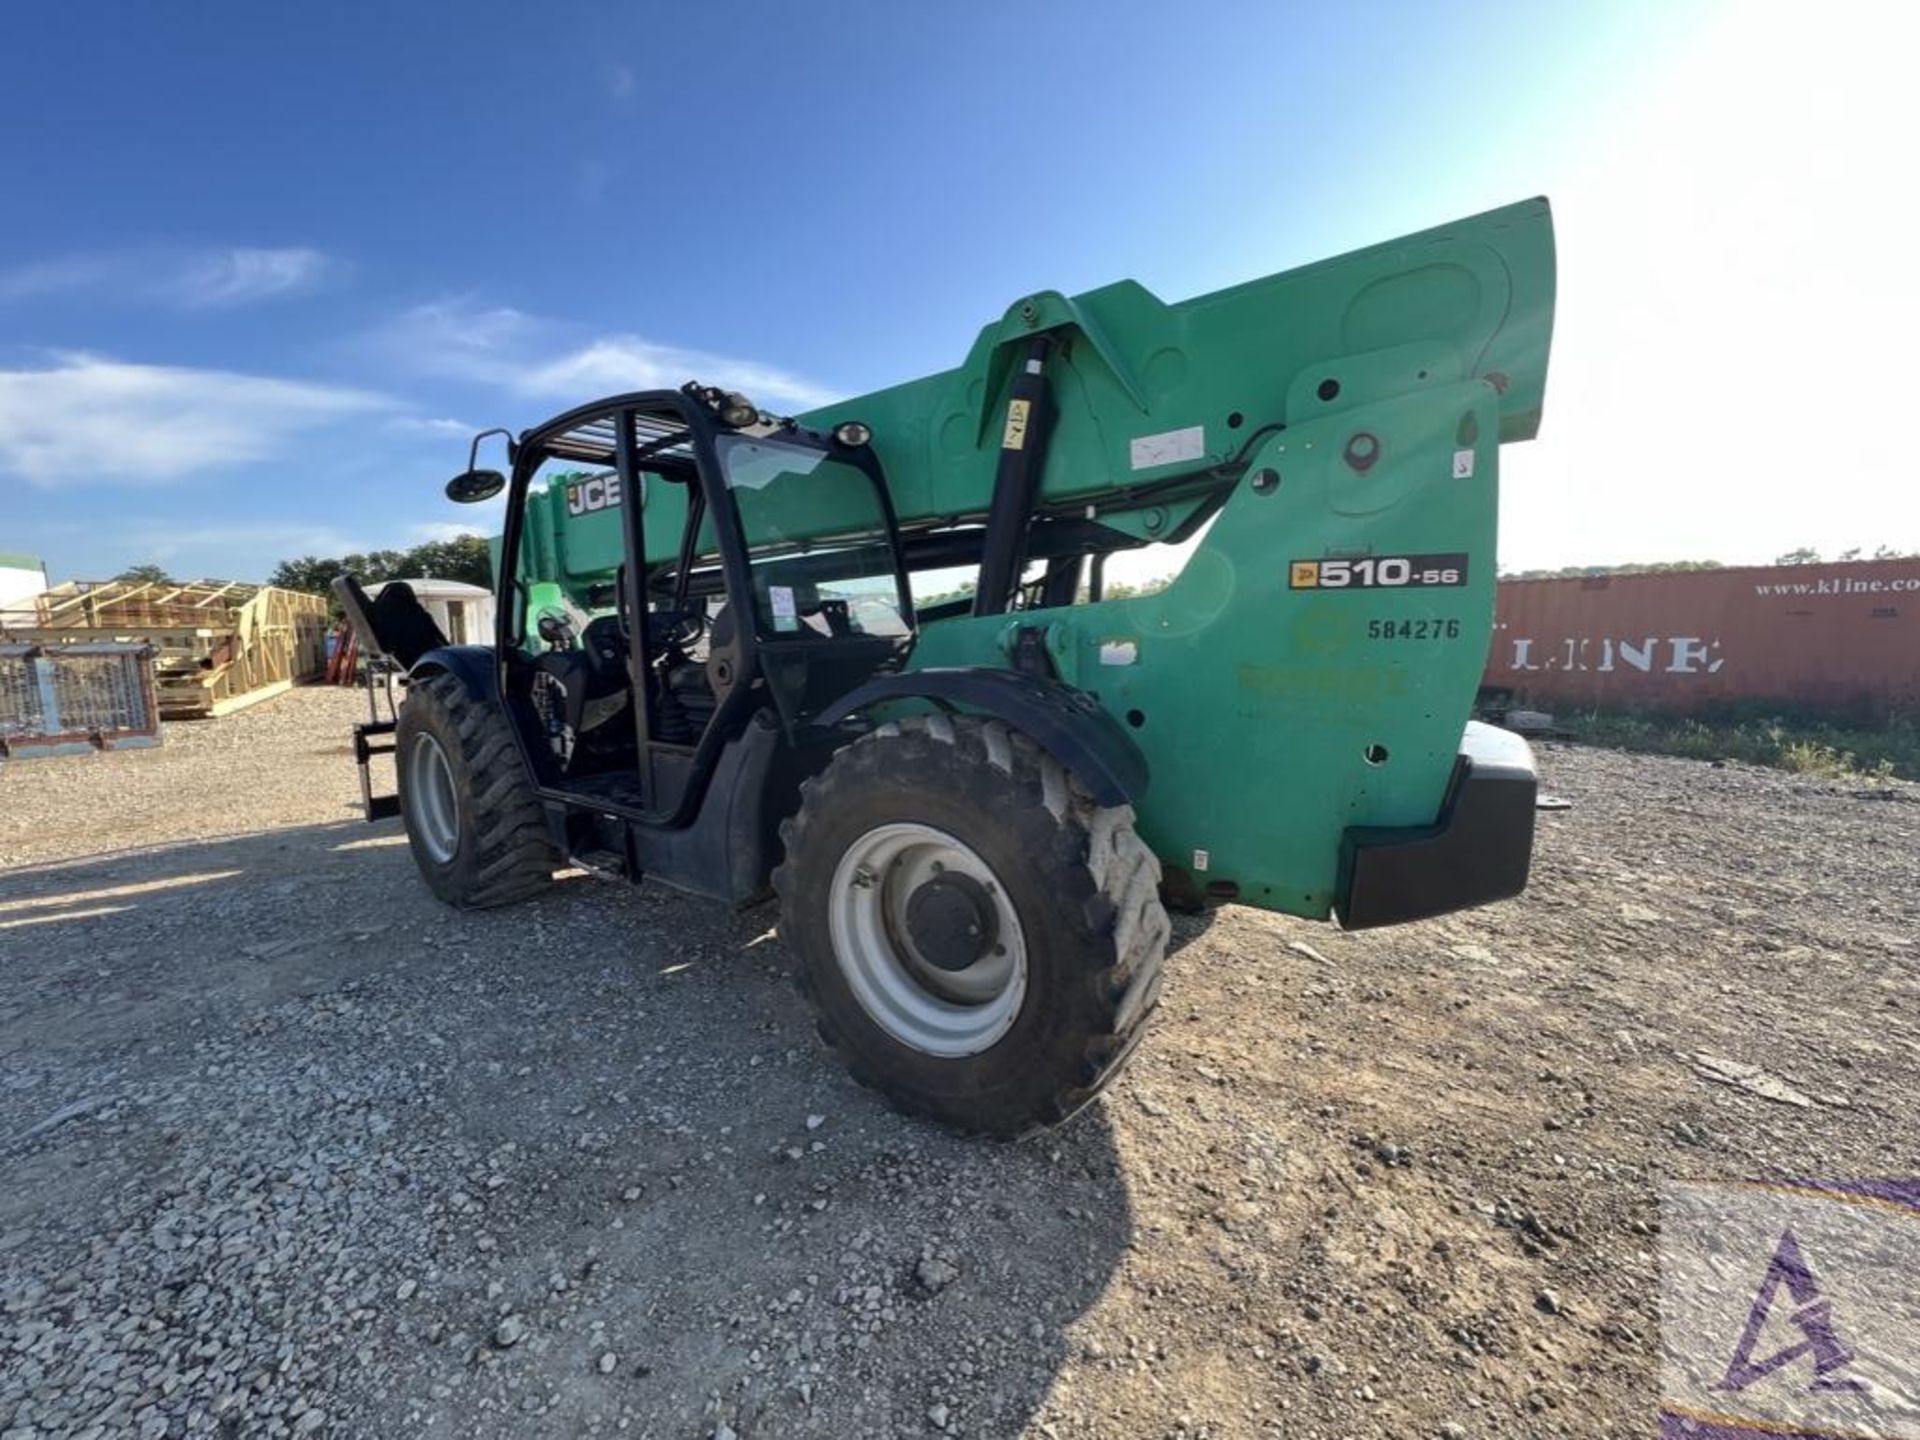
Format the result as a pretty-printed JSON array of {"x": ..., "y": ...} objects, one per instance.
[{"x": 216, "y": 647}]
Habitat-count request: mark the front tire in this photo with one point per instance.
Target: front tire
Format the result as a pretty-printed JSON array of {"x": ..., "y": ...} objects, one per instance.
[
  {"x": 473, "y": 823},
  {"x": 981, "y": 942}
]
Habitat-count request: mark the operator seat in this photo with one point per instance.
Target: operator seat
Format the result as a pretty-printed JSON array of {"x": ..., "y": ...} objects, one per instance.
[{"x": 585, "y": 676}]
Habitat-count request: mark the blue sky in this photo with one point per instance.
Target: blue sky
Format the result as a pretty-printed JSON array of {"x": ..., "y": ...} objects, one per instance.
[{"x": 265, "y": 266}]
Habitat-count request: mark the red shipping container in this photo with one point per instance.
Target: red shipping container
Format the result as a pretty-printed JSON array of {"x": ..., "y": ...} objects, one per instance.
[{"x": 1839, "y": 636}]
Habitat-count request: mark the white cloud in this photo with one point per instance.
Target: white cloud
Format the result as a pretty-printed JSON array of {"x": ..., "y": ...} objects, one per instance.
[
  {"x": 621, "y": 83},
  {"x": 242, "y": 275},
  {"x": 192, "y": 280},
  {"x": 54, "y": 277},
  {"x": 443, "y": 530},
  {"x": 421, "y": 425},
  {"x": 88, "y": 418},
  {"x": 166, "y": 543},
  {"x": 458, "y": 338},
  {"x": 505, "y": 347},
  {"x": 627, "y": 362}
]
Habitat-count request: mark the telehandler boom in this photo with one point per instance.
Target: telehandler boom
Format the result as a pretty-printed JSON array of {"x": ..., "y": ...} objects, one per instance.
[{"x": 869, "y": 655}]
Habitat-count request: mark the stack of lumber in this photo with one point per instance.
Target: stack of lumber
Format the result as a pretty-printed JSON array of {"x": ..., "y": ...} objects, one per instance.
[{"x": 217, "y": 647}]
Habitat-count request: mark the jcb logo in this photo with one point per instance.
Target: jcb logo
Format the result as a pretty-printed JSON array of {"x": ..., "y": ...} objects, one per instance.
[{"x": 586, "y": 496}]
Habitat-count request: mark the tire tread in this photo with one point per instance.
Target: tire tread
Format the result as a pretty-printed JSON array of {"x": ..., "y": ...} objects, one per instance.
[
  {"x": 513, "y": 856},
  {"x": 1125, "y": 912}
]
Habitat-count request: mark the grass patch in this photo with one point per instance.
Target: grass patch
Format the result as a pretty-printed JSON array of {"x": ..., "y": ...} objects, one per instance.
[{"x": 1803, "y": 744}]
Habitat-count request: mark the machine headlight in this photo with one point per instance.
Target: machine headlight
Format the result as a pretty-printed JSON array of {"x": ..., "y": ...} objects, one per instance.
[{"x": 852, "y": 433}]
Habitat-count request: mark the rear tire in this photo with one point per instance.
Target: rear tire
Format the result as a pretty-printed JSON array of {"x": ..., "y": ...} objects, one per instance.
[
  {"x": 1025, "y": 1027},
  {"x": 473, "y": 824}
]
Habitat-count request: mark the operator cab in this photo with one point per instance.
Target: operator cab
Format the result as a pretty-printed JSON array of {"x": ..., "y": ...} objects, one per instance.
[{"x": 672, "y": 566}]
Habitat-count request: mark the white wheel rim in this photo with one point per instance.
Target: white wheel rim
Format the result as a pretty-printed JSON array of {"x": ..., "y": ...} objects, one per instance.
[
  {"x": 434, "y": 809},
  {"x": 932, "y": 1010}
]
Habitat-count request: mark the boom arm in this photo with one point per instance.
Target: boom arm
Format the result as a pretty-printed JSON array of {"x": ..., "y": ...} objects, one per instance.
[
  {"x": 1308, "y": 676},
  {"x": 1146, "y": 390}
]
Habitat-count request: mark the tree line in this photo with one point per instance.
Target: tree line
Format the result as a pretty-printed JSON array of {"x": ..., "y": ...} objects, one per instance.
[
  {"x": 1804, "y": 555},
  {"x": 465, "y": 558}
]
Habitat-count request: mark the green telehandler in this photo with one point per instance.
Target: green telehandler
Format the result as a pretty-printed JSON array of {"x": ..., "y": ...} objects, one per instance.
[{"x": 867, "y": 657}]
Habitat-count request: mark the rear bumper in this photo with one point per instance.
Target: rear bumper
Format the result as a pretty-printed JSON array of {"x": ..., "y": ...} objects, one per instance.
[{"x": 1478, "y": 851}]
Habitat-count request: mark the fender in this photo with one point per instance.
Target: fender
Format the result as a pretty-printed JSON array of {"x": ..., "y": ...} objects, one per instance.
[
  {"x": 1067, "y": 723},
  {"x": 471, "y": 665}
]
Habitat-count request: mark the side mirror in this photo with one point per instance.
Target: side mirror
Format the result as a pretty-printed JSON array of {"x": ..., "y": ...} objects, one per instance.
[{"x": 471, "y": 486}]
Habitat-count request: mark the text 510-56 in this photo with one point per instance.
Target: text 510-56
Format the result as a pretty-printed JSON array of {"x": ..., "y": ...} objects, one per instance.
[{"x": 1378, "y": 572}]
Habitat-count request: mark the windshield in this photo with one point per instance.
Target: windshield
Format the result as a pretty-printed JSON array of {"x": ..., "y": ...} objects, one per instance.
[{"x": 817, "y": 541}]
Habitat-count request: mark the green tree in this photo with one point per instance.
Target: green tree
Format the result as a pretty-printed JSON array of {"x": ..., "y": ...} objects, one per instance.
[
  {"x": 308, "y": 573},
  {"x": 1805, "y": 555},
  {"x": 145, "y": 575},
  {"x": 465, "y": 558},
  {"x": 1653, "y": 567}
]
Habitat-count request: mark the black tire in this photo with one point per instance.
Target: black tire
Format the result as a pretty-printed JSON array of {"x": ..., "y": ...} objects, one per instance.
[
  {"x": 502, "y": 852},
  {"x": 1082, "y": 884}
]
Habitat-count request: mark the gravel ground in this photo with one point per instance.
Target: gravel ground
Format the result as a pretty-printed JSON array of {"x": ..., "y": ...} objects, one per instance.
[{"x": 290, "y": 1148}]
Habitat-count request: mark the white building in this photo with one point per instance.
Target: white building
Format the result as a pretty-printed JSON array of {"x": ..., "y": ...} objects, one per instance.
[
  {"x": 21, "y": 577},
  {"x": 463, "y": 612}
]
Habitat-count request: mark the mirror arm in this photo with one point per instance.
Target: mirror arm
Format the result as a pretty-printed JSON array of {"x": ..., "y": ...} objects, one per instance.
[{"x": 473, "y": 450}]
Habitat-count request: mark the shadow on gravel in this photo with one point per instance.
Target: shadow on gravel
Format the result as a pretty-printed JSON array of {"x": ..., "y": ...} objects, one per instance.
[
  {"x": 97, "y": 948},
  {"x": 122, "y": 880},
  {"x": 602, "y": 1115}
]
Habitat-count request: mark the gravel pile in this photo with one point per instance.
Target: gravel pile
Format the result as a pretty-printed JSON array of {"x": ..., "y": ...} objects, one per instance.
[{"x": 290, "y": 1149}]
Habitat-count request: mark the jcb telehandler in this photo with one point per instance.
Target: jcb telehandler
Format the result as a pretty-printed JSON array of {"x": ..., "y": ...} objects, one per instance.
[{"x": 867, "y": 655}]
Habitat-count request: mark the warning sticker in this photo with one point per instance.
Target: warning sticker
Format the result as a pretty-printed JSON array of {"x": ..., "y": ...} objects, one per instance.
[
  {"x": 1169, "y": 447},
  {"x": 780, "y": 601},
  {"x": 1015, "y": 437}
]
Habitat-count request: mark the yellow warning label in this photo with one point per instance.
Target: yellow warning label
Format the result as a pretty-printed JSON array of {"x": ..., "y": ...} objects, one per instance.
[
  {"x": 1306, "y": 574},
  {"x": 1016, "y": 436}
]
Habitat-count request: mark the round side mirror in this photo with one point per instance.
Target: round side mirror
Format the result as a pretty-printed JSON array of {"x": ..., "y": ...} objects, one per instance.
[{"x": 472, "y": 486}]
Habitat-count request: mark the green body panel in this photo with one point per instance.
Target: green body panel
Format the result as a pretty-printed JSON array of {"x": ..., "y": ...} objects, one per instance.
[
  {"x": 1377, "y": 387},
  {"x": 1257, "y": 704},
  {"x": 575, "y": 551}
]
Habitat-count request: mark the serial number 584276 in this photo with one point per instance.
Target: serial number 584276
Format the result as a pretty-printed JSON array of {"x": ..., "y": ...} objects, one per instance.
[{"x": 1434, "y": 629}]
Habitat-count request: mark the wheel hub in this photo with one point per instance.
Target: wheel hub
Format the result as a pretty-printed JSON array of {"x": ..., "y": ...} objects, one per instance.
[
  {"x": 433, "y": 805},
  {"x": 951, "y": 921},
  {"x": 927, "y": 939}
]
